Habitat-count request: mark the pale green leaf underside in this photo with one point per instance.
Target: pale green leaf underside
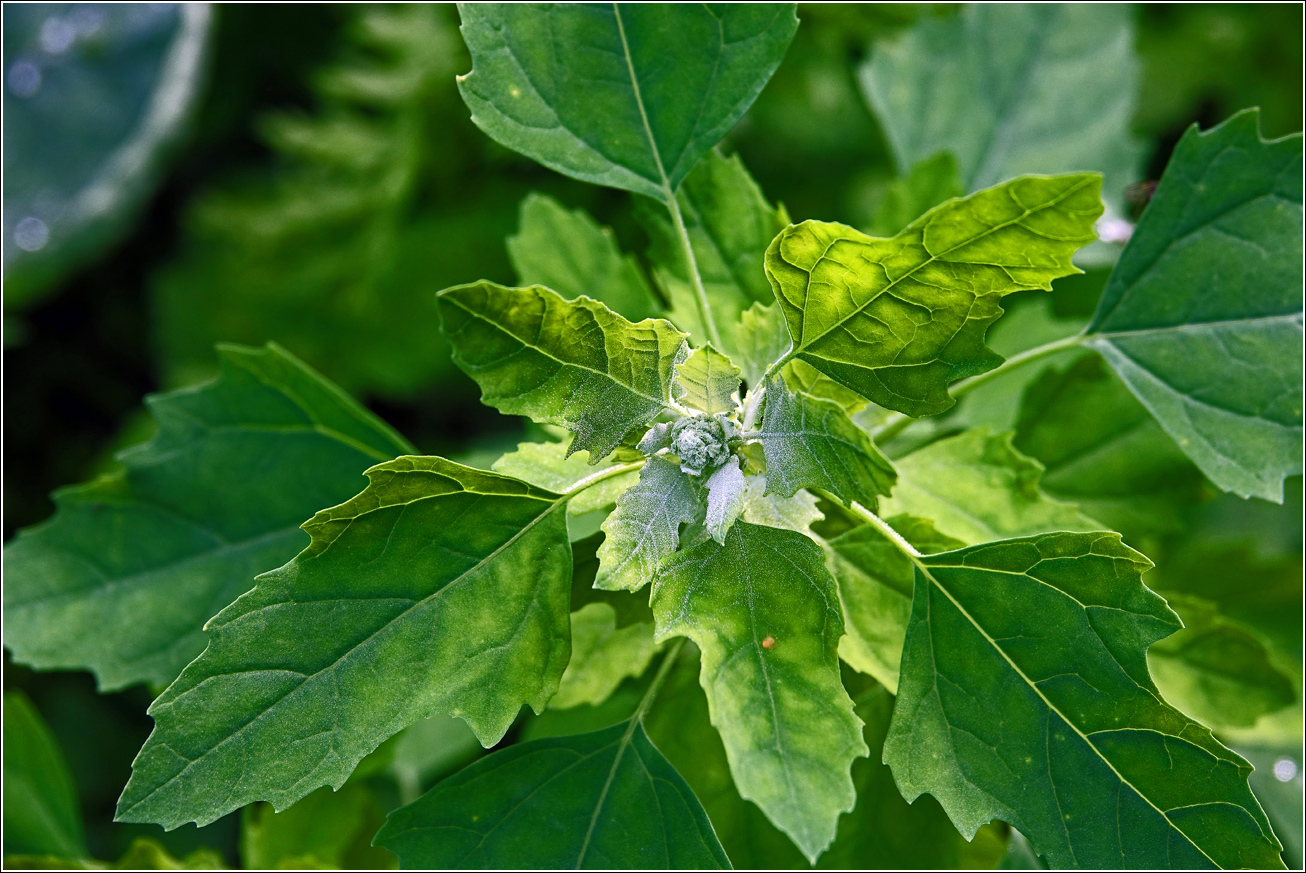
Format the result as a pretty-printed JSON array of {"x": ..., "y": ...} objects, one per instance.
[
  {"x": 977, "y": 488},
  {"x": 644, "y": 529},
  {"x": 576, "y": 364},
  {"x": 727, "y": 494},
  {"x": 121, "y": 580},
  {"x": 606, "y": 800},
  {"x": 602, "y": 655},
  {"x": 897, "y": 319},
  {"x": 381, "y": 621},
  {"x": 1202, "y": 316},
  {"x": 1025, "y": 696},
  {"x": 764, "y": 612},
  {"x": 708, "y": 382},
  {"x": 625, "y": 95}
]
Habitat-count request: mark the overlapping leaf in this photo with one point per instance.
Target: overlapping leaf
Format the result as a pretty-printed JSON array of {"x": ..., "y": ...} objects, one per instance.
[
  {"x": 326, "y": 829},
  {"x": 602, "y": 655},
  {"x": 124, "y": 576},
  {"x": 765, "y": 614},
  {"x": 551, "y": 467},
  {"x": 576, "y": 364},
  {"x": 1202, "y": 316},
  {"x": 605, "y": 801},
  {"x": 896, "y": 320},
  {"x": 41, "y": 816},
  {"x": 644, "y": 529},
  {"x": 437, "y": 589},
  {"x": 1025, "y": 695},
  {"x": 707, "y": 380}
]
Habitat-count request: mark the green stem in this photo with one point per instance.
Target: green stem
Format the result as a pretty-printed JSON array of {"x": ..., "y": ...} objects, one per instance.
[
  {"x": 663, "y": 669},
  {"x": 873, "y": 520},
  {"x": 700, "y": 293},
  {"x": 595, "y": 478}
]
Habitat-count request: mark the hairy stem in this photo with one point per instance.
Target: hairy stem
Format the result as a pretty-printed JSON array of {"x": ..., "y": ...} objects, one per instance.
[
  {"x": 595, "y": 478},
  {"x": 878, "y": 523}
]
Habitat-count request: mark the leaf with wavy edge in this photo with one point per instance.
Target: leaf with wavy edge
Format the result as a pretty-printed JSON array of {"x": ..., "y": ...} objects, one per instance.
[
  {"x": 1202, "y": 316},
  {"x": 1024, "y": 695},
  {"x": 576, "y": 364},
  {"x": 438, "y": 589},
  {"x": 626, "y": 95},
  {"x": 707, "y": 381},
  {"x": 898, "y": 319},
  {"x": 765, "y": 614},
  {"x": 121, "y": 580},
  {"x": 644, "y": 529}
]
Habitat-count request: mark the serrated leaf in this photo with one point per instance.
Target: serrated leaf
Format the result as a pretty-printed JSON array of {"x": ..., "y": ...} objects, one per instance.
[
  {"x": 1102, "y": 450},
  {"x": 806, "y": 379},
  {"x": 729, "y": 223},
  {"x": 644, "y": 529},
  {"x": 765, "y": 614},
  {"x": 796, "y": 513},
  {"x": 1215, "y": 670},
  {"x": 41, "y": 814},
  {"x": 875, "y": 587},
  {"x": 438, "y": 589},
  {"x": 708, "y": 381},
  {"x": 570, "y": 252},
  {"x": 761, "y": 338},
  {"x": 812, "y": 443},
  {"x": 1202, "y": 316},
  {"x": 576, "y": 364},
  {"x": 1025, "y": 695},
  {"x": 726, "y": 493},
  {"x": 121, "y": 580},
  {"x": 977, "y": 488},
  {"x": 896, "y": 320},
  {"x": 930, "y": 181},
  {"x": 606, "y": 801},
  {"x": 1011, "y": 89},
  {"x": 627, "y": 95},
  {"x": 551, "y": 467},
  {"x": 602, "y": 655},
  {"x": 328, "y": 829}
]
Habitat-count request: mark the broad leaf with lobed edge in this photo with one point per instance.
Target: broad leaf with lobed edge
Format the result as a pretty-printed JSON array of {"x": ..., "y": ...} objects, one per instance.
[
  {"x": 707, "y": 381},
  {"x": 644, "y": 529}
]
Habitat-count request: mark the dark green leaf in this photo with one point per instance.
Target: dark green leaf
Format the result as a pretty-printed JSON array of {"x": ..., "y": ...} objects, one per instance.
[
  {"x": 1024, "y": 695},
  {"x": 1202, "y": 317},
  {"x": 626, "y": 95},
  {"x": 124, "y": 576},
  {"x": 896, "y": 320},
  {"x": 327, "y": 829},
  {"x": 765, "y": 614},
  {"x": 41, "y": 815},
  {"x": 437, "y": 589},
  {"x": 576, "y": 364},
  {"x": 603, "y": 801},
  {"x": 644, "y": 529},
  {"x": 708, "y": 382}
]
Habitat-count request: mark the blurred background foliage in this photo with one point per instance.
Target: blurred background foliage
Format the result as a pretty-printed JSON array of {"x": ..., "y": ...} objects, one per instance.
[{"x": 319, "y": 179}]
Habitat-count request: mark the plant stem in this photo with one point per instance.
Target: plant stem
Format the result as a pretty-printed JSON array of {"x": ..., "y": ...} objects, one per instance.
[
  {"x": 595, "y": 478},
  {"x": 700, "y": 293},
  {"x": 898, "y": 422},
  {"x": 883, "y": 527},
  {"x": 663, "y": 669}
]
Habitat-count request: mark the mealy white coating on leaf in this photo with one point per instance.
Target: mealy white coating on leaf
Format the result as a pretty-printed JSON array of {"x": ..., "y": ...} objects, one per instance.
[{"x": 725, "y": 498}]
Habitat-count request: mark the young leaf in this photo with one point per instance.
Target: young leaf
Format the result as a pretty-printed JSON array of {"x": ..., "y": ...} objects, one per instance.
[
  {"x": 576, "y": 364},
  {"x": 897, "y": 319},
  {"x": 1011, "y": 89},
  {"x": 726, "y": 493},
  {"x": 327, "y": 829},
  {"x": 604, "y": 801},
  {"x": 1024, "y": 695},
  {"x": 124, "y": 576},
  {"x": 41, "y": 815},
  {"x": 571, "y": 253},
  {"x": 626, "y": 95},
  {"x": 765, "y": 614},
  {"x": 628, "y": 610},
  {"x": 812, "y": 443},
  {"x": 1202, "y": 316},
  {"x": 551, "y": 467},
  {"x": 761, "y": 337},
  {"x": 730, "y": 224},
  {"x": 707, "y": 380},
  {"x": 602, "y": 655},
  {"x": 439, "y": 588},
  {"x": 798, "y": 512},
  {"x": 977, "y": 488},
  {"x": 644, "y": 529},
  {"x": 875, "y": 587}
]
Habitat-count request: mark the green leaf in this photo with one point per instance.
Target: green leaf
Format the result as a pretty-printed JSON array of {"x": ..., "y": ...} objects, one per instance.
[
  {"x": 644, "y": 529},
  {"x": 797, "y": 513},
  {"x": 576, "y": 364},
  {"x": 1202, "y": 317},
  {"x": 729, "y": 223},
  {"x": 806, "y": 379},
  {"x": 327, "y": 829},
  {"x": 574, "y": 255},
  {"x": 627, "y": 95},
  {"x": 1025, "y": 695},
  {"x": 761, "y": 338},
  {"x": 629, "y": 609},
  {"x": 931, "y": 181},
  {"x": 875, "y": 588},
  {"x": 708, "y": 382},
  {"x": 144, "y": 853},
  {"x": 606, "y": 800},
  {"x": 812, "y": 443},
  {"x": 437, "y": 589},
  {"x": 1011, "y": 89},
  {"x": 1101, "y": 449},
  {"x": 601, "y": 656},
  {"x": 765, "y": 614},
  {"x": 121, "y": 580},
  {"x": 1215, "y": 670},
  {"x": 896, "y": 320},
  {"x": 551, "y": 467},
  {"x": 726, "y": 495},
  {"x": 977, "y": 488},
  {"x": 41, "y": 814}
]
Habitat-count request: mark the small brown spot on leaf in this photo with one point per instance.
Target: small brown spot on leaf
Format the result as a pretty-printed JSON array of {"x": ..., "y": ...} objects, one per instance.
[{"x": 768, "y": 643}]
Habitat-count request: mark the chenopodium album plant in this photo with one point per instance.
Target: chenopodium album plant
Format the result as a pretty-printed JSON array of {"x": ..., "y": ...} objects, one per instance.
[{"x": 994, "y": 640}]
